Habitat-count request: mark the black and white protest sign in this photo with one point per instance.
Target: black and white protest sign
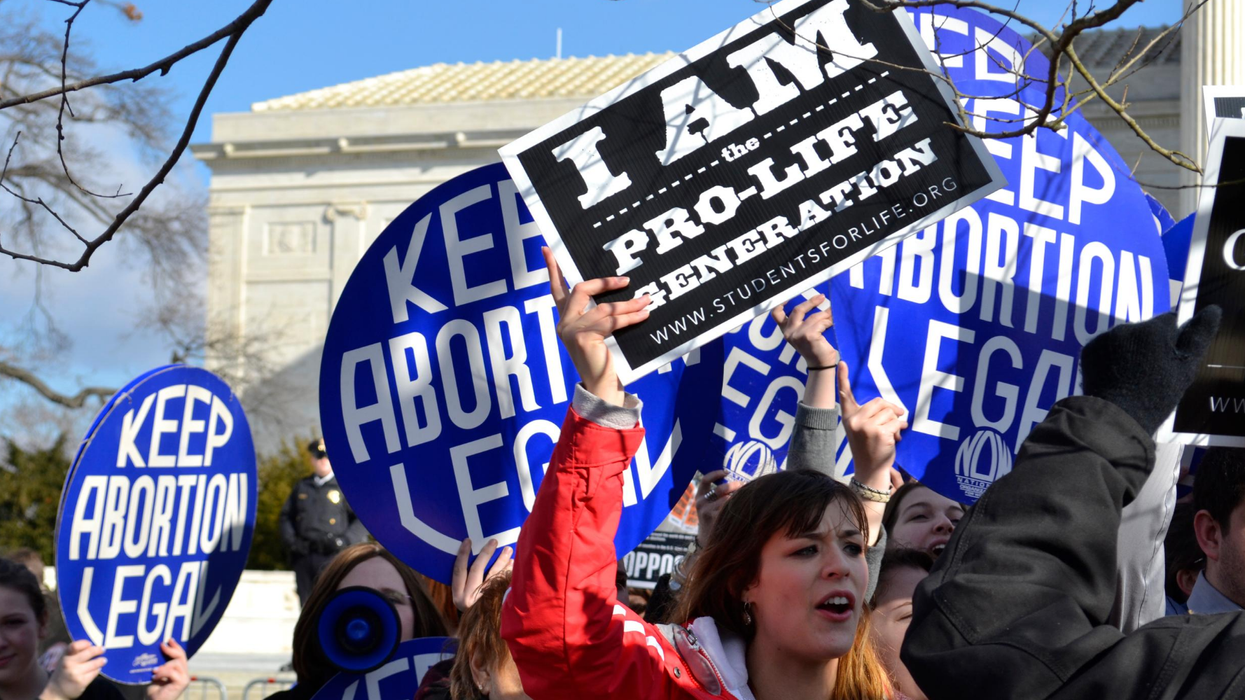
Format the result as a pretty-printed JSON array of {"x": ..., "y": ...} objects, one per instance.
[
  {"x": 1213, "y": 409},
  {"x": 655, "y": 557},
  {"x": 750, "y": 168}
]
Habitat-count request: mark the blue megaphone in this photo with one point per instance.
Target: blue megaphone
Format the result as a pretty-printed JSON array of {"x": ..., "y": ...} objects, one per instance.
[{"x": 359, "y": 630}]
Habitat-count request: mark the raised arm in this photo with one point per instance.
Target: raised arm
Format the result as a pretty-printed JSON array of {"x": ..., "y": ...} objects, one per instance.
[
  {"x": 873, "y": 430},
  {"x": 1019, "y": 601},
  {"x": 569, "y": 636}
]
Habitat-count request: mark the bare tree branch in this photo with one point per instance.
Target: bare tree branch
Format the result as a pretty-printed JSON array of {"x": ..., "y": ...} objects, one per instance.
[
  {"x": 234, "y": 32},
  {"x": 78, "y": 400}
]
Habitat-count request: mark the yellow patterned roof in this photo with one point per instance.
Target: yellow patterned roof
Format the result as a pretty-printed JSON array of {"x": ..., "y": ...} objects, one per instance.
[{"x": 475, "y": 82}]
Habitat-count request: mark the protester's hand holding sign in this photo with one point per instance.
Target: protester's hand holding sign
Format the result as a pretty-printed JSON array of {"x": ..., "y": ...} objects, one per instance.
[
  {"x": 583, "y": 332},
  {"x": 710, "y": 497},
  {"x": 74, "y": 672},
  {"x": 170, "y": 678},
  {"x": 808, "y": 336},
  {"x": 466, "y": 583}
]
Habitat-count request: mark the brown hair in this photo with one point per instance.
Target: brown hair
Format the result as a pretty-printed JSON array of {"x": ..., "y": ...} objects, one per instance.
[
  {"x": 443, "y": 597},
  {"x": 479, "y": 632},
  {"x": 18, "y": 578},
  {"x": 310, "y": 663},
  {"x": 790, "y": 503},
  {"x": 896, "y": 559},
  {"x": 891, "y": 514}
]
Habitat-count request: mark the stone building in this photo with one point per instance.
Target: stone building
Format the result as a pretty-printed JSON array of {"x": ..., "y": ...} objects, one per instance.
[{"x": 301, "y": 185}]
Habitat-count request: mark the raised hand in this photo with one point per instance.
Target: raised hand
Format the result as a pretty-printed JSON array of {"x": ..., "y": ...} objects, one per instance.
[
  {"x": 583, "y": 331},
  {"x": 466, "y": 582},
  {"x": 873, "y": 432},
  {"x": 170, "y": 678},
  {"x": 807, "y": 334},
  {"x": 74, "y": 672},
  {"x": 1145, "y": 368},
  {"x": 710, "y": 497}
]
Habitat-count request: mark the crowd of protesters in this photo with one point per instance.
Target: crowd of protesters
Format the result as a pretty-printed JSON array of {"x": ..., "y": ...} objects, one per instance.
[{"x": 1065, "y": 580}]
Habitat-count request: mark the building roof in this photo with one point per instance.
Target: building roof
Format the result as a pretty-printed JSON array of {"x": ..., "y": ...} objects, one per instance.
[
  {"x": 475, "y": 82},
  {"x": 595, "y": 75},
  {"x": 1103, "y": 48}
]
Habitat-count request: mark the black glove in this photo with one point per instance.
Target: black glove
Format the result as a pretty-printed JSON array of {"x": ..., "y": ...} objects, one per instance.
[{"x": 1144, "y": 368}]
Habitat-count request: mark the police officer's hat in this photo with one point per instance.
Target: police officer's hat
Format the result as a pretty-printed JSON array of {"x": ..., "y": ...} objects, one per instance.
[{"x": 316, "y": 448}]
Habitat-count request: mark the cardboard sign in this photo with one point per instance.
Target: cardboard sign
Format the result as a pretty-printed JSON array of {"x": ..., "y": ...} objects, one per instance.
[
  {"x": 398, "y": 678},
  {"x": 656, "y": 556},
  {"x": 157, "y": 517},
  {"x": 443, "y": 386},
  {"x": 750, "y": 168},
  {"x": 1212, "y": 409},
  {"x": 975, "y": 325}
]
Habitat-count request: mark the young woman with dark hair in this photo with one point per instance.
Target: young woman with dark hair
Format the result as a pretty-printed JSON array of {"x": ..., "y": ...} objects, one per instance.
[
  {"x": 919, "y": 518},
  {"x": 775, "y": 603},
  {"x": 24, "y": 620},
  {"x": 366, "y": 564}
]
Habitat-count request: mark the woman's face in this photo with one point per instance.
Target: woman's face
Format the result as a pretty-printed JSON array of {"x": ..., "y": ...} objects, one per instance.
[
  {"x": 890, "y": 623},
  {"x": 19, "y": 636},
  {"x": 808, "y": 594},
  {"x": 925, "y": 521},
  {"x": 379, "y": 575}
]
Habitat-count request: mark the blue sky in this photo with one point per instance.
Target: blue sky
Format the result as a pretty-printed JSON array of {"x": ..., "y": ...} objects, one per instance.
[{"x": 306, "y": 44}]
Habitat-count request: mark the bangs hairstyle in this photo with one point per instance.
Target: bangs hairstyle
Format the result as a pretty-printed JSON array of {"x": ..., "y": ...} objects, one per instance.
[
  {"x": 789, "y": 503},
  {"x": 891, "y": 513},
  {"x": 310, "y": 663}
]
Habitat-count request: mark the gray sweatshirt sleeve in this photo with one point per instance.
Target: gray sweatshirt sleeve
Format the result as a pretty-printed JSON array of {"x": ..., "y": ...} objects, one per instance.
[
  {"x": 813, "y": 439},
  {"x": 605, "y": 414},
  {"x": 813, "y": 443}
]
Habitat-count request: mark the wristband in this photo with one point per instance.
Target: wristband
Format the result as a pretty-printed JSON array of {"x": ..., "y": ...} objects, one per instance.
[
  {"x": 821, "y": 367},
  {"x": 869, "y": 493}
]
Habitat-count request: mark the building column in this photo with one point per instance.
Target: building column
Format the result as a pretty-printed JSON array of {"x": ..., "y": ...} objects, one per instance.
[
  {"x": 347, "y": 244},
  {"x": 226, "y": 292},
  {"x": 1211, "y": 53}
]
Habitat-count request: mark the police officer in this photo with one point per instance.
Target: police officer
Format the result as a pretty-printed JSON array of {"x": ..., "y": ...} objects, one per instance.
[{"x": 317, "y": 522}]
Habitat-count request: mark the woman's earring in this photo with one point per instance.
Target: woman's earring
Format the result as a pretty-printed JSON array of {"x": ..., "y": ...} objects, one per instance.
[{"x": 747, "y": 615}]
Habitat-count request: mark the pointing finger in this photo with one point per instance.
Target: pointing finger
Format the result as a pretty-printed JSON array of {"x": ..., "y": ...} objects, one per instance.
[
  {"x": 846, "y": 398},
  {"x": 557, "y": 284}
]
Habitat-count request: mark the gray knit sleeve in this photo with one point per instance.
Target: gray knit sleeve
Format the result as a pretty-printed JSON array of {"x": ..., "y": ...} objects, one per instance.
[{"x": 812, "y": 439}]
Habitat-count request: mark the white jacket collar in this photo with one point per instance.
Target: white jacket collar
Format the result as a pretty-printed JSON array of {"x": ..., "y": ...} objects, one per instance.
[{"x": 727, "y": 652}]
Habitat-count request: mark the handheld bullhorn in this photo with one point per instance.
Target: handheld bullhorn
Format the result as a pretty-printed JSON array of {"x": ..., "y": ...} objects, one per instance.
[{"x": 359, "y": 630}]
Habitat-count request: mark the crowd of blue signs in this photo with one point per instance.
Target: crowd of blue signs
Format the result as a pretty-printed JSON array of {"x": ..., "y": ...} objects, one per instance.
[{"x": 443, "y": 386}]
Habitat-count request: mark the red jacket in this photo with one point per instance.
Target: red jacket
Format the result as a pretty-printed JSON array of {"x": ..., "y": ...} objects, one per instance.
[{"x": 567, "y": 632}]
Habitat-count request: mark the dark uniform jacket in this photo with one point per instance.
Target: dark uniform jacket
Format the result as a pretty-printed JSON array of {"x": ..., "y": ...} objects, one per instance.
[
  {"x": 318, "y": 520},
  {"x": 1017, "y": 605}
]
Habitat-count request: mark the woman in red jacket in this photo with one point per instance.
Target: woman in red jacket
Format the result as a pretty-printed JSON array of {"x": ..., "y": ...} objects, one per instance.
[{"x": 775, "y": 604}]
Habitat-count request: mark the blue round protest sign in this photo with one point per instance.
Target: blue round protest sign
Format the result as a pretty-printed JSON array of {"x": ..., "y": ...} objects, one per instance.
[
  {"x": 443, "y": 385},
  {"x": 156, "y": 519},
  {"x": 975, "y": 325},
  {"x": 399, "y": 677}
]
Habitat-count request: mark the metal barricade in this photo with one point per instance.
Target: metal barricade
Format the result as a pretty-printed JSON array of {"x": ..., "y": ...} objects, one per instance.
[
  {"x": 205, "y": 688},
  {"x": 263, "y": 687}
]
